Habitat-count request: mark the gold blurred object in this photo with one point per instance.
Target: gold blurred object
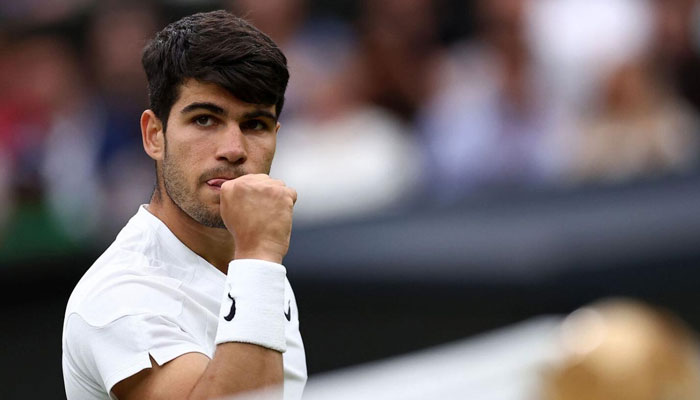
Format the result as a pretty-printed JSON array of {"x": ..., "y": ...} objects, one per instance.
[{"x": 622, "y": 349}]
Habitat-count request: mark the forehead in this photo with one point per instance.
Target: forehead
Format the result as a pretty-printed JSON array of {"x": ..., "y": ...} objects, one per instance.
[{"x": 194, "y": 91}]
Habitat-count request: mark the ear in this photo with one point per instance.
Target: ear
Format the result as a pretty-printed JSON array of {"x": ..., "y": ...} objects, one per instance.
[
  {"x": 152, "y": 135},
  {"x": 277, "y": 127}
]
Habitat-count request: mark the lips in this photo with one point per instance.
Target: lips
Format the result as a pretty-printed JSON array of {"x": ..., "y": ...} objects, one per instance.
[{"x": 217, "y": 182}]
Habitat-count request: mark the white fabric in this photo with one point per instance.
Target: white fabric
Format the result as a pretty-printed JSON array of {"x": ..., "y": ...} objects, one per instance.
[
  {"x": 150, "y": 294},
  {"x": 252, "y": 309}
]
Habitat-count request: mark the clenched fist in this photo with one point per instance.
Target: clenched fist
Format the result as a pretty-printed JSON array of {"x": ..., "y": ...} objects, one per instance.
[{"x": 257, "y": 210}]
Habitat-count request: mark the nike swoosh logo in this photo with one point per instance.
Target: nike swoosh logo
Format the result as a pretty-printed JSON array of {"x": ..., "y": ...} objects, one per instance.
[
  {"x": 231, "y": 313},
  {"x": 288, "y": 313}
]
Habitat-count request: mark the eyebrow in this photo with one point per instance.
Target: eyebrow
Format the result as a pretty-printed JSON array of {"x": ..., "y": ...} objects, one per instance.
[
  {"x": 206, "y": 106},
  {"x": 260, "y": 114},
  {"x": 211, "y": 107}
]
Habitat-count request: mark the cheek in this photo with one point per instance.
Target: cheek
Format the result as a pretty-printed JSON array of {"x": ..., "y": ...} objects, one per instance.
[
  {"x": 193, "y": 148},
  {"x": 184, "y": 159},
  {"x": 266, "y": 149}
]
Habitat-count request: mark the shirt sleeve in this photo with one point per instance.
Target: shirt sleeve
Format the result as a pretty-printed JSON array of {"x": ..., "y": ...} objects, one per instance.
[
  {"x": 113, "y": 334},
  {"x": 111, "y": 353}
]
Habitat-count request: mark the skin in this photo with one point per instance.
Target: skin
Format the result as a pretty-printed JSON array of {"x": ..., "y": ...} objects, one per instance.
[{"x": 215, "y": 195}]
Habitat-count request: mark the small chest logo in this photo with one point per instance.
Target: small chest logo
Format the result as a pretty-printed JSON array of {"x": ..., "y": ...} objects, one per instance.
[{"x": 231, "y": 313}]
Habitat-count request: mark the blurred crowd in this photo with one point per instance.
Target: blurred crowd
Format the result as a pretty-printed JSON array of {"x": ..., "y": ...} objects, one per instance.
[{"x": 390, "y": 102}]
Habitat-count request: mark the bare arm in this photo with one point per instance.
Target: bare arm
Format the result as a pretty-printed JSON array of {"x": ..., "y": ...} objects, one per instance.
[
  {"x": 255, "y": 367},
  {"x": 235, "y": 368}
]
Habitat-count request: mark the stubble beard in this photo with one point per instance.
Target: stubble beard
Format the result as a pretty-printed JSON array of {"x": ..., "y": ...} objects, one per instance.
[{"x": 175, "y": 184}]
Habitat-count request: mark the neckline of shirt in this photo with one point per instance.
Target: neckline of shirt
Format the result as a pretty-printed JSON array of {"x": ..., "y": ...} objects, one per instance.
[{"x": 168, "y": 239}]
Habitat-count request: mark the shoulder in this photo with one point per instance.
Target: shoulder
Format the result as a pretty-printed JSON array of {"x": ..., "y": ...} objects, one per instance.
[
  {"x": 115, "y": 294},
  {"x": 132, "y": 276},
  {"x": 126, "y": 308}
]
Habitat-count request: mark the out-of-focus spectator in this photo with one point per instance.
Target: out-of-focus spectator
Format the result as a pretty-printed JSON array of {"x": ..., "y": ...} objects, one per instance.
[
  {"x": 6, "y": 166},
  {"x": 576, "y": 43},
  {"x": 355, "y": 163},
  {"x": 118, "y": 32},
  {"x": 69, "y": 174},
  {"x": 32, "y": 12},
  {"x": 39, "y": 87},
  {"x": 69, "y": 132},
  {"x": 33, "y": 92},
  {"x": 347, "y": 158},
  {"x": 602, "y": 61},
  {"x": 399, "y": 53},
  {"x": 624, "y": 350},
  {"x": 676, "y": 45},
  {"x": 489, "y": 123},
  {"x": 639, "y": 128},
  {"x": 316, "y": 47},
  {"x": 344, "y": 156}
]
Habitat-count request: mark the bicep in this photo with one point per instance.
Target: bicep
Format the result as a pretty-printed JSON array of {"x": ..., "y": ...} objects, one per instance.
[{"x": 172, "y": 380}]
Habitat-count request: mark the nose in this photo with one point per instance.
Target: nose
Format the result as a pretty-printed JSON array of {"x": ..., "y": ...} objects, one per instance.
[{"x": 232, "y": 146}]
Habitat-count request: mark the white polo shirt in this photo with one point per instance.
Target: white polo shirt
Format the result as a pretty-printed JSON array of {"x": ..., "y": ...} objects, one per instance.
[{"x": 149, "y": 294}]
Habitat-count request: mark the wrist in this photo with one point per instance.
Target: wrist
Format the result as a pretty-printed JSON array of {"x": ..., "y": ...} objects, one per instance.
[
  {"x": 275, "y": 258},
  {"x": 252, "y": 308},
  {"x": 272, "y": 253}
]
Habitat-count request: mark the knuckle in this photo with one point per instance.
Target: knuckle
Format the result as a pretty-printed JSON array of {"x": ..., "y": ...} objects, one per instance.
[
  {"x": 269, "y": 190},
  {"x": 227, "y": 186},
  {"x": 292, "y": 196}
]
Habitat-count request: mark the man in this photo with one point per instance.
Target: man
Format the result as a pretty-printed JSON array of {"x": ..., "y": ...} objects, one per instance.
[{"x": 191, "y": 300}]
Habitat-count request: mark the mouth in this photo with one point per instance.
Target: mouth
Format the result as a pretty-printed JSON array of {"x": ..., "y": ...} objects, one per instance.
[{"x": 216, "y": 183}]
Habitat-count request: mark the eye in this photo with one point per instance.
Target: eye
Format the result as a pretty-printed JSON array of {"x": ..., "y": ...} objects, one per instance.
[
  {"x": 204, "y": 121},
  {"x": 254, "y": 125}
]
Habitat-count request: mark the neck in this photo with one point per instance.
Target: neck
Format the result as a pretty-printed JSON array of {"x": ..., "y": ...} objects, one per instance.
[{"x": 214, "y": 245}]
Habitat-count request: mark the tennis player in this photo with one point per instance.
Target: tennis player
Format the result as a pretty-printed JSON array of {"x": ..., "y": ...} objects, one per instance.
[{"x": 191, "y": 300}]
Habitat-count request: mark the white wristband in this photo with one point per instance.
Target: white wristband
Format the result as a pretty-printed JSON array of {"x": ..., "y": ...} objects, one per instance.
[{"x": 252, "y": 310}]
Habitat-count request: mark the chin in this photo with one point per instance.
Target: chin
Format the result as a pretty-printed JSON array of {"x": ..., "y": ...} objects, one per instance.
[{"x": 211, "y": 220}]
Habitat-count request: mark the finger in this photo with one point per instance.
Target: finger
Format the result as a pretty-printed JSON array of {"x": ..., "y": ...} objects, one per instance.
[
  {"x": 293, "y": 193},
  {"x": 254, "y": 177},
  {"x": 277, "y": 182}
]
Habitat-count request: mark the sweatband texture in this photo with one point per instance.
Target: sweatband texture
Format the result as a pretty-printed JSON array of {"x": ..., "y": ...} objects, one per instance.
[{"x": 252, "y": 309}]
